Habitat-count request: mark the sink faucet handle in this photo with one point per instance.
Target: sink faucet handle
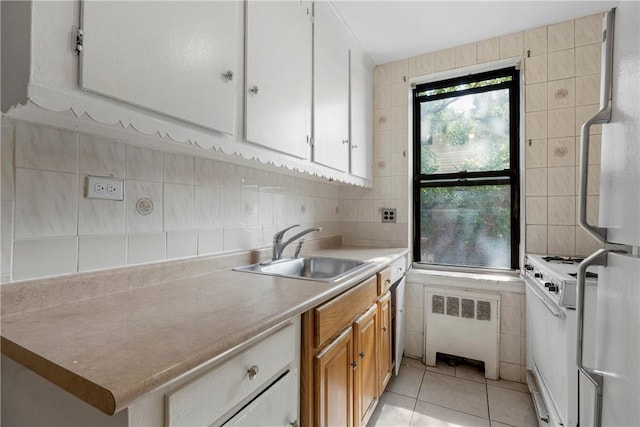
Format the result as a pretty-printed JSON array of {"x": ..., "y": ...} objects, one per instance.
[
  {"x": 280, "y": 234},
  {"x": 298, "y": 248}
]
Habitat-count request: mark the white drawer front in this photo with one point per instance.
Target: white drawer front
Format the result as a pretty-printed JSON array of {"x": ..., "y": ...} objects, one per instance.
[
  {"x": 398, "y": 268},
  {"x": 277, "y": 406},
  {"x": 205, "y": 399}
]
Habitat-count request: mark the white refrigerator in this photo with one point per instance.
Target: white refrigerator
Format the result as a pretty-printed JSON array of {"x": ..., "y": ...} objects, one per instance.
[{"x": 608, "y": 358}]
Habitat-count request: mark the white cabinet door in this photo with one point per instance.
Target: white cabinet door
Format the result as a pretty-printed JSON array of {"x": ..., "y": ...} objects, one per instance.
[
  {"x": 331, "y": 89},
  {"x": 278, "y": 79},
  {"x": 277, "y": 406},
  {"x": 170, "y": 57},
  {"x": 361, "y": 158}
]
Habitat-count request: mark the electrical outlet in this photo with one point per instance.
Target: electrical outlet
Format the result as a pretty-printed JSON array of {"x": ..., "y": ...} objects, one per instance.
[
  {"x": 389, "y": 215},
  {"x": 101, "y": 187}
]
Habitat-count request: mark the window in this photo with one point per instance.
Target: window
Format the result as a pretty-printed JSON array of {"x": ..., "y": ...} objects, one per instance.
[{"x": 466, "y": 184}]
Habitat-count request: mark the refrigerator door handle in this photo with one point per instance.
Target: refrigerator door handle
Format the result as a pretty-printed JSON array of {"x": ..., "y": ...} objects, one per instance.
[
  {"x": 597, "y": 258},
  {"x": 602, "y": 116}
]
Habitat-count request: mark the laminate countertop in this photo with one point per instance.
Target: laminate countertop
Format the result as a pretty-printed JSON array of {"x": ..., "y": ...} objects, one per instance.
[{"x": 112, "y": 349}]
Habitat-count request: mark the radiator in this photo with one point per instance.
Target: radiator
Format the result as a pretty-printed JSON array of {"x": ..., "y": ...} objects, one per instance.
[{"x": 464, "y": 324}]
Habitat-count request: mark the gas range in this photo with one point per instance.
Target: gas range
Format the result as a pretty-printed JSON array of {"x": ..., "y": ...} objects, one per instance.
[{"x": 556, "y": 277}]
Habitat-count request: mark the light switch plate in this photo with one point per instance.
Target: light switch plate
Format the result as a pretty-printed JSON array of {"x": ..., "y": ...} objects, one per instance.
[{"x": 102, "y": 187}]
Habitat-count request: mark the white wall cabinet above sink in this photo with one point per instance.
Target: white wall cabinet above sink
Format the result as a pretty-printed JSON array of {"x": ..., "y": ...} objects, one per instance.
[
  {"x": 174, "y": 58},
  {"x": 331, "y": 88},
  {"x": 278, "y": 80},
  {"x": 228, "y": 80}
]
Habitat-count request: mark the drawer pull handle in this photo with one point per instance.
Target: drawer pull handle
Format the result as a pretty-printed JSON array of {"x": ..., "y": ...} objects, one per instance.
[
  {"x": 387, "y": 281},
  {"x": 253, "y": 372},
  {"x": 354, "y": 364},
  {"x": 362, "y": 354}
]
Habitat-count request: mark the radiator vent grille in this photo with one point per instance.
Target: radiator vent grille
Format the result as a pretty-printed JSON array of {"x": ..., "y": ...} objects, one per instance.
[{"x": 467, "y": 308}]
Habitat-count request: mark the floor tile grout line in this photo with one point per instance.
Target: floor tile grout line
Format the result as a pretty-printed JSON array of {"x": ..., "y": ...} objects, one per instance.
[{"x": 455, "y": 410}]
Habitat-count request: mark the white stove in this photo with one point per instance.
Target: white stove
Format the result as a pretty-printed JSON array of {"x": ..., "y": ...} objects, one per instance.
[
  {"x": 551, "y": 335},
  {"x": 555, "y": 276}
]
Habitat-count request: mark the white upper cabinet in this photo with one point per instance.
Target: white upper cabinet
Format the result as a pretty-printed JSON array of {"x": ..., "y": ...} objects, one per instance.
[
  {"x": 331, "y": 42},
  {"x": 278, "y": 76},
  {"x": 174, "y": 58},
  {"x": 361, "y": 105}
]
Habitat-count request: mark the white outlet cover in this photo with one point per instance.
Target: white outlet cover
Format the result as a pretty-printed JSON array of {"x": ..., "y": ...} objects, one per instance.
[{"x": 102, "y": 187}]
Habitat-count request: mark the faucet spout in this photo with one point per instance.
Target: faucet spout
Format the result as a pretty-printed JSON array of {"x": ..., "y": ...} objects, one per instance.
[{"x": 279, "y": 245}]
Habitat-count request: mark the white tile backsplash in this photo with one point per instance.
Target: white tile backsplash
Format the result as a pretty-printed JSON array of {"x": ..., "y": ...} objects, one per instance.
[
  {"x": 210, "y": 241},
  {"x": 207, "y": 208},
  {"x": 46, "y": 204},
  {"x": 45, "y": 148},
  {"x": 144, "y": 164},
  {"x": 99, "y": 252},
  {"x": 101, "y": 157},
  {"x": 146, "y": 247},
  {"x": 179, "y": 207},
  {"x": 44, "y": 257},
  {"x": 179, "y": 169},
  {"x": 7, "y": 168},
  {"x": 182, "y": 244}
]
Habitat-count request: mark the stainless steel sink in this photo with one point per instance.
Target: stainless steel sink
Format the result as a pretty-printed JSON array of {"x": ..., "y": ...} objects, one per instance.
[{"x": 309, "y": 268}]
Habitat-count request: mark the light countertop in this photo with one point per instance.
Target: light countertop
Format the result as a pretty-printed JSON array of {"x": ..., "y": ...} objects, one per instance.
[{"x": 112, "y": 349}]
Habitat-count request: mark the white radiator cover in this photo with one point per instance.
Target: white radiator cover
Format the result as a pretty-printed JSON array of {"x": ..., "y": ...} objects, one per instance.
[{"x": 463, "y": 323}]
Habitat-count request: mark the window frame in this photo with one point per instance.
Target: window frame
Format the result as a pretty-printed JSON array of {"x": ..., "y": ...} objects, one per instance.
[{"x": 509, "y": 176}]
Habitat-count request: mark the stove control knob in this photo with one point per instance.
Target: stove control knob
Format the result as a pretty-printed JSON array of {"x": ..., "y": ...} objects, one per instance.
[
  {"x": 553, "y": 288},
  {"x": 537, "y": 275},
  {"x": 548, "y": 284},
  {"x": 528, "y": 267}
]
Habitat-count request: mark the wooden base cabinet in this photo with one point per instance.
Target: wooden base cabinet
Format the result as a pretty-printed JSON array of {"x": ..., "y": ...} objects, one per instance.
[
  {"x": 334, "y": 385},
  {"x": 366, "y": 365},
  {"x": 344, "y": 352},
  {"x": 384, "y": 338}
]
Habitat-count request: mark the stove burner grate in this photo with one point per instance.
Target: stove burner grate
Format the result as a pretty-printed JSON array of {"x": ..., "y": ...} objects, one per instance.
[
  {"x": 563, "y": 260},
  {"x": 590, "y": 275}
]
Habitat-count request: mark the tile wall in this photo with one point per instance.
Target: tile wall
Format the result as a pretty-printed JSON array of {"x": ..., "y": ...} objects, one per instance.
[
  {"x": 200, "y": 206},
  {"x": 561, "y": 76}
]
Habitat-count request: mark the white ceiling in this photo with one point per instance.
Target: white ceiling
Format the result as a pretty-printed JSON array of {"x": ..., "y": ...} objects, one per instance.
[{"x": 392, "y": 30}]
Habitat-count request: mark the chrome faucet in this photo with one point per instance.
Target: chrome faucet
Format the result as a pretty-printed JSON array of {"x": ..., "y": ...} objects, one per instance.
[{"x": 279, "y": 245}]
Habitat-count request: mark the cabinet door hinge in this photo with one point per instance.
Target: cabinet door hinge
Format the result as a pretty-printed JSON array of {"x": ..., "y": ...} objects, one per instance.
[
  {"x": 79, "y": 43},
  {"x": 309, "y": 140}
]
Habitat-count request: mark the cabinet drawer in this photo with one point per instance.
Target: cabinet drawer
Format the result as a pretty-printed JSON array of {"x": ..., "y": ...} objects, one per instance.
[
  {"x": 338, "y": 313},
  {"x": 384, "y": 280},
  {"x": 398, "y": 268},
  {"x": 205, "y": 399},
  {"x": 277, "y": 406}
]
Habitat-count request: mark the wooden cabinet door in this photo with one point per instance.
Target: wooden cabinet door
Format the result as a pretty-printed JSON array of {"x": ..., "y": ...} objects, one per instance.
[
  {"x": 366, "y": 372},
  {"x": 175, "y": 58},
  {"x": 278, "y": 79},
  {"x": 331, "y": 88},
  {"x": 384, "y": 331},
  {"x": 334, "y": 382}
]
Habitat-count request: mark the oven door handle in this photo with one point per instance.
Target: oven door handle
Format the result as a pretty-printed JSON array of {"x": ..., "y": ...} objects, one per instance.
[
  {"x": 553, "y": 308},
  {"x": 597, "y": 258}
]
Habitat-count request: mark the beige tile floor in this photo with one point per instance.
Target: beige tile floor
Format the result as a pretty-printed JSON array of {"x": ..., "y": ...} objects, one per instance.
[{"x": 451, "y": 396}]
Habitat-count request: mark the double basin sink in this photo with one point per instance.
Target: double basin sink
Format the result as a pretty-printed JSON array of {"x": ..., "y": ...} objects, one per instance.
[{"x": 322, "y": 269}]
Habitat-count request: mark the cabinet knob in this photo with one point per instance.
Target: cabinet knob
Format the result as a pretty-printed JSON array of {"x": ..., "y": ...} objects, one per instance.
[
  {"x": 294, "y": 423},
  {"x": 345, "y": 141},
  {"x": 361, "y": 354},
  {"x": 253, "y": 372},
  {"x": 354, "y": 364},
  {"x": 228, "y": 75},
  {"x": 354, "y": 146},
  {"x": 254, "y": 90},
  {"x": 387, "y": 281},
  {"x": 384, "y": 328}
]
